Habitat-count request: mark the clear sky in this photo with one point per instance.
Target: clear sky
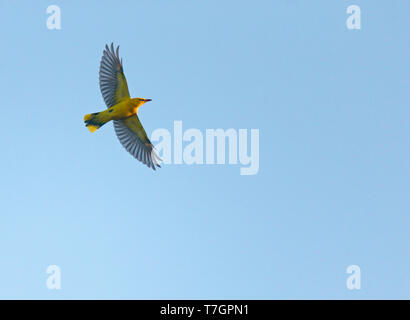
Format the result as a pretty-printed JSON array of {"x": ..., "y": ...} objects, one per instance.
[{"x": 332, "y": 109}]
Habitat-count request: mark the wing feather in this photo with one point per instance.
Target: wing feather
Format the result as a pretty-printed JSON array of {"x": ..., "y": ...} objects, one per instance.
[
  {"x": 134, "y": 139},
  {"x": 113, "y": 84}
]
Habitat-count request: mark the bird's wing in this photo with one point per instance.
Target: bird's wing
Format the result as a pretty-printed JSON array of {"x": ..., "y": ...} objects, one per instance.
[
  {"x": 113, "y": 84},
  {"x": 134, "y": 139}
]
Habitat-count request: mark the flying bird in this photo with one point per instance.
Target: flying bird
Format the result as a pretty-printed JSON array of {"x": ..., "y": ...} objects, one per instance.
[{"x": 122, "y": 110}]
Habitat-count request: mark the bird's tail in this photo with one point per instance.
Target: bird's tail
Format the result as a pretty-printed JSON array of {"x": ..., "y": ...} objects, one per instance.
[{"x": 94, "y": 121}]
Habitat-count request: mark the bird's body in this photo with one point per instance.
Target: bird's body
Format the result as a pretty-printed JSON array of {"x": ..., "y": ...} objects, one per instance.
[{"x": 122, "y": 110}]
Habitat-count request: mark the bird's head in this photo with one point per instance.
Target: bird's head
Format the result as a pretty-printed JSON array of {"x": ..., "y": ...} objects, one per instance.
[{"x": 140, "y": 101}]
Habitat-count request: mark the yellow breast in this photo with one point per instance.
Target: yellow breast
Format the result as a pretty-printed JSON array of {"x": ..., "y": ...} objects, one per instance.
[{"x": 123, "y": 110}]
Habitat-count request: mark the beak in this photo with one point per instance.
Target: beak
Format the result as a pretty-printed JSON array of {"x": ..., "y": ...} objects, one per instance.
[{"x": 148, "y": 100}]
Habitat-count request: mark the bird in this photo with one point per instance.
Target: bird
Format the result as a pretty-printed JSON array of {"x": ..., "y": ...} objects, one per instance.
[{"x": 122, "y": 110}]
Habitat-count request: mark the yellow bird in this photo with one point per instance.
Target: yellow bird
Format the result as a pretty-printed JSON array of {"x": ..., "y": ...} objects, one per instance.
[{"x": 122, "y": 109}]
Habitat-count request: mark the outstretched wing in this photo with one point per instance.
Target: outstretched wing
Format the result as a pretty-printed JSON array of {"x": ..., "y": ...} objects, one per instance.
[
  {"x": 134, "y": 139},
  {"x": 113, "y": 84}
]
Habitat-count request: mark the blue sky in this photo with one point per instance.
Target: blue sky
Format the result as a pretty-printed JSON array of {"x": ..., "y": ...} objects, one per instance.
[{"x": 332, "y": 108}]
